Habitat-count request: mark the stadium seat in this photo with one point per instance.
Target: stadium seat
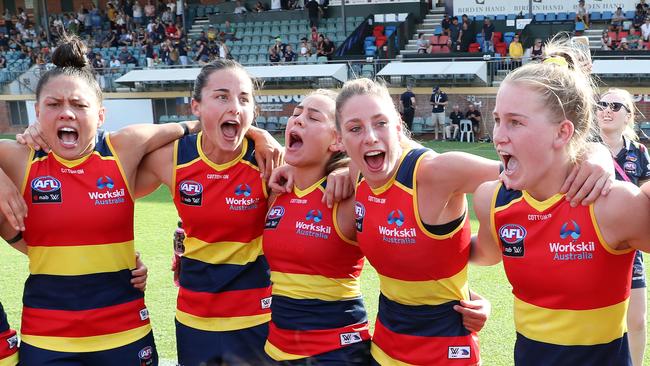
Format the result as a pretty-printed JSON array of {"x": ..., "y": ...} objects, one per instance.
[
  {"x": 433, "y": 40},
  {"x": 367, "y": 71},
  {"x": 438, "y": 30},
  {"x": 539, "y": 17},
  {"x": 479, "y": 18},
  {"x": 580, "y": 27},
  {"x": 474, "y": 47},
  {"x": 511, "y": 17},
  {"x": 595, "y": 15},
  {"x": 629, "y": 14},
  {"x": 500, "y": 17},
  {"x": 607, "y": 15},
  {"x": 371, "y": 51},
  {"x": 562, "y": 16},
  {"x": 550, "y": 17},
  {"x": 260, "y": 121}
]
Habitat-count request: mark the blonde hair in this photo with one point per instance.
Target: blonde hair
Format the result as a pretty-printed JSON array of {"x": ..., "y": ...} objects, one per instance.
[
  {"x": 365, "y": 86},
  {"x": 566, "y": 88},
  {"x": 628, "y": 101}
]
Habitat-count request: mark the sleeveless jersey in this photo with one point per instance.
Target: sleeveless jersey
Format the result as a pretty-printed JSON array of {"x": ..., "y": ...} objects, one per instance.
[
  {"x": 571, "y": 289},
  {"x": 634, "y": 161},
  {"x": 224, "y": 277},
  {"x": 8, "y": 342},
  {"x": 79, "y": 235},
  {"x": 422, "y": 275},
  {"x": 317, "y": 305}
]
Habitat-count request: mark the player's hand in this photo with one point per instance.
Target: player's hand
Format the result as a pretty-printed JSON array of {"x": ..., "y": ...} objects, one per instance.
[
  {"x": 589, "y": 180},
  {"x": 475, "y": 312},
  {"x": 139, "y": 274},
  {"x": 339, "y": 187},
  {"x": 12, "y": 204},
  {"x": 33, "y": 137},
  {"x": 281, "y": 180}
]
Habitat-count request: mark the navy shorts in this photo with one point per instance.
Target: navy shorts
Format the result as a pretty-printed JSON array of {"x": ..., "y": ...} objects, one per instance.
[
  {"x": 139, "y": 353},
  {"x": 638, "y": 271},
  {"x": 357, "y": 354},
  {"x": 243, "y": 347}
]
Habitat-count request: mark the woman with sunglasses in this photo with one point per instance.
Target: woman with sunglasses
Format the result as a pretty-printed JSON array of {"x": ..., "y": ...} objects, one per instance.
[{"x": 615, "y": 115}]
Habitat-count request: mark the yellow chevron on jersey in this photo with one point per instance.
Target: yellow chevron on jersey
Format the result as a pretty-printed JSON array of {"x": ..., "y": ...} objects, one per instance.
[
  {"x": 431, "y": 292},
  {"x": 571, "y": 327},
  {"x": 10, "y": 361},
  {"x": 218, "y": 324},
  {"x": 88, "y": 344},
  {"x": 225, "y": 252},
  {"x": 277, "y": 354},
  {"x": 81, "y": 259},
  {"x": 383, "y": 359},
  {"x": 305, "y": 286}
]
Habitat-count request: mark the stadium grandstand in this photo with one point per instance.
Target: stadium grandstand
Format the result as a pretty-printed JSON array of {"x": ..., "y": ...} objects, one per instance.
[{"x": 147, "y": 53}]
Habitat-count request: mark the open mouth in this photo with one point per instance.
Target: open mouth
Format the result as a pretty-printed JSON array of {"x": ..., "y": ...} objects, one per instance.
[
  {"x": 375, "y": 159},
  {"x": 510, "y": 163},
  {"x": 295, "y": 141},
  {"x": 230, "y": 129},
  {"x": 68, "y": 136}
]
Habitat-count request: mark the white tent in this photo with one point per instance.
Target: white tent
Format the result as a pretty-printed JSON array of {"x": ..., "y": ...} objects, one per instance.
[
  {"x": 337, "y": 71},
  {"x": 478, "y": 68},
  {"x": 632, "y": 67}
]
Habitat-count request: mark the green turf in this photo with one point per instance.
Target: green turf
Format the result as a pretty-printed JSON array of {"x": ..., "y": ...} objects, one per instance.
[
  {"x": 7, "y": 137},
  {"x": 155, "y": 222}
]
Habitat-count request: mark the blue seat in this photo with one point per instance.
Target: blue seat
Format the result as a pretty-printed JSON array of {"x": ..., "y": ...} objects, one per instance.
[
  {"x": 438, "y": 30},
  {"x": 550, "y": 17},
  {"x": 511, "y": 16},
  {"x": 629, "y": 14},
  {"x": 595, "y": 15},
  {"x": 479, "y": 18},
  {"x": 500, "y": 17},
  {"x": 371, "y": 51},
  {"x": 562, "y": 16},
  {"x": 572, "y": 15},
  {"x": 540, "y": 17},
  {"x": 607, "y": 15},
  {"x": 580, "y": 27}
]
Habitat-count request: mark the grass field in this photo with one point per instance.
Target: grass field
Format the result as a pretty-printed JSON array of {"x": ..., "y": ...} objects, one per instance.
[{"x": 155, "y": 222}]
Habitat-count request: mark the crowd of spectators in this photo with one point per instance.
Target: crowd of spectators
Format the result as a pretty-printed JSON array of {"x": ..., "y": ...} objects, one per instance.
[{"x": 321, "y": 46}]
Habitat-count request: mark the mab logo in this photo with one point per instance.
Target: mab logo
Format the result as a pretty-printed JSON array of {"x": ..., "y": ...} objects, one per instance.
[
  {"x": 273, "y": 217},
  {"x": 243, "y": 189},
  {"x": 396, "y": 217},
  {"x": 566, "y": 232},
  {"x": 456, "y": 352},
  {"x": 105, "y": 182},
  {"x": 191, "y": 192},
  {"x": 46, "y": 189},
  {"x": 315, "y": 215}
]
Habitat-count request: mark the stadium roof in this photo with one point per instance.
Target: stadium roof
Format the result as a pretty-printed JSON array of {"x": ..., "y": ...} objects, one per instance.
[
  {"x": 337, "y": 71},
  {"x": 478, "y": 68}
]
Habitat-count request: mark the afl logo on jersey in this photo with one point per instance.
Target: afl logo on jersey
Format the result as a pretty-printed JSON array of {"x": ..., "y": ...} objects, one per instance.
[
  {"x": 359, "y": 214},
  {"x": 146, "y": 356},
  {"x": 243, "y": 189},
  {"x": 191, "y": 192},
  {"x": 512, "y": 239},
  {"x": 273, "y": 217},
  {"x": 46, "y": 189}
]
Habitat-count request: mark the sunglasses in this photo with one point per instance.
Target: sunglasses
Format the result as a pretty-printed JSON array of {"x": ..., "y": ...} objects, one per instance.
[{"x": 614, "y": 106}]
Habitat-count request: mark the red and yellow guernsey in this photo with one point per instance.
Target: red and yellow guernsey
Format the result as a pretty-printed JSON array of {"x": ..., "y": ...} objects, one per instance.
[
  {"x": 224, "y": 277},
  {"x": 317, "y": 305},
  {"x": 571, "y": 289},
  {"x": 422, "y": 274},
  {"x": 79, "y": 235},
  {"x": 8, "y": 342}
]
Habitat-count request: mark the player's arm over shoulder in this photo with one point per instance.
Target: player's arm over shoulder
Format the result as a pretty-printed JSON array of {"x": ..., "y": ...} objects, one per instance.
[
  {"x": 457, "y": 171},
  {"x": 13, "y": 160},
  {"x": 623, "y": 216}
]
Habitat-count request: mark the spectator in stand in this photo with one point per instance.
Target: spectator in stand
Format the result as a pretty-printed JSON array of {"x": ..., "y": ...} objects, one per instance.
[
  {"x": 617, "y": 20},
  {"x": 123, "y": 55},
  {"x": 224, "y": 52},
  {"x": 213, "y": 51},
  {"x": 488, "y": 34},
  {"x": 132, "y": 60},
  {"x": 465, "y": 19},
  {"x": 455, "y": 116},
  {"x": 274, "y": 56},
  {"x": 582, "y": 13},
  {"x": 239, "y": 8},
  {"x": 4, "y": 42},
  {"x": 623, "y": 46},
  {"x": 3, "y": 62},
  {"x": 114, "y": 64},
  {"x": 149, "y": 12},
  {"x": 316, "y": 38},
  {"x": 537, "y": 50},
  {"x": 99, "y": 65},
  {"x": 454, "y": 35},
  {"x": 645, "y": 30},
  {"x": 516, "y": 51},
  {"x": 87, "y": 21},
  {"x": 201, "y": 53},
  {"x": 407, "y": 106},
  {"x": 313, "y": 11},
  {"x": 180, "y": 33},
  {"x": 466, "y": 37},
  {"x": 182, "y": 49},
  {"x": 328, "y": 48},
  {"x": 229, "y": 32},
  {"x": 474, "y": 115},
  {"x": 7, "y": 18},
  {"x": 167, "y": 16},
  {"x": 605, "y": 41},
  {"x": 438, "y": 103},
  {"x": 259, "y": 7},
  {"x": 203, "y": 37},
  {"x": 445, "y": 23},
  {"x": 423, "y": 44},
  {"x": 148, "y": 52},
  {"x": 639, "y": 18},
  {"x": 634, "y": 39},
  {"x": 170, "y": 30},
  {"x": 126, "y": 38},
  {"x": 137, "y": 13},
  {"x": 164, "y": 55},
  {"x": 111, "y": 14},
  {"x": 212, "y": 34},
  {"x": 289, "y": 55}
]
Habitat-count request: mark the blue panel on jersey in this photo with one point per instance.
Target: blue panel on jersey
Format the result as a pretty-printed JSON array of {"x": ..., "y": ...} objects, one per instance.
[
  {"x": 187, "y": 150},
  {"x": 421, "y": 320},
  {"x": 314, "y": 314},
  {"x": 204, "y": 277},
  {"x": 407, "y": 168},
  {"x": 85, "y": 292},
  {"x": 533, "y": 353},
  {"x": 100, "y": 144},
  {"x": 506, "y": 196},
  {"x": 4, "y": 324}
]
